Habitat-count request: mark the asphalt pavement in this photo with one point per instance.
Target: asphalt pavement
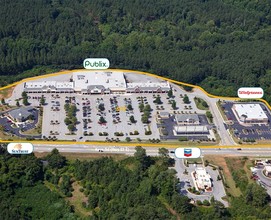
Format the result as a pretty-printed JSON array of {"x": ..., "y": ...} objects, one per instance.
[
  {"x": 77, "y": 148},
  {"x": 226, "y": 138}
]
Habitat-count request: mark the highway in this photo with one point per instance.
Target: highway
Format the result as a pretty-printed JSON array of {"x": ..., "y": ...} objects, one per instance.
[{"x": 152, "y": 151}]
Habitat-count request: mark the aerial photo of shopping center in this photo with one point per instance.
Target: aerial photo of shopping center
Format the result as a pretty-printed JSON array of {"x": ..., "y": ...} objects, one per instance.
[{"x": 116, "y": 105}]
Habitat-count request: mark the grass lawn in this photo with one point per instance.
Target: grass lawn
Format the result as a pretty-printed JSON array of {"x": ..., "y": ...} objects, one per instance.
[
  {"x": 194, "y": 160},
  {"x": 77, "y": 199},
  {"x": 84, "y": 156},
  {"x": 199, "y": 103},
  {"x": 6, "y": 107},
  {"x": 221, "y": 111},
  {"x": 52, "y": 187},
  {"x": 187, "y": 143},
  {"x": 36, "y": 130},
  {"x": 220, "y": 161},
  {"x": 3, "y": 136},
  {"x": 236, "y": 140},
  {"x": 237, "y": 163}
]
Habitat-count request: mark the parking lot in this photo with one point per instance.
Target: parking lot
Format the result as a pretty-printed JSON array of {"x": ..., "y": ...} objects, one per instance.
[
  {"x": 250, "y": 132},
  {"x": 186, "y": 182},
  {"x": 168, "y": 125},
  {"x": 261, "y": 179},
  {"x": 107, "y": 117}
]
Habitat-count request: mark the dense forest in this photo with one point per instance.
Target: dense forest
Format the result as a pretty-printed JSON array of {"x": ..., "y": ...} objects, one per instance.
[
  {"x": 22, "y": 192},
  {"x": 219, "y": 44},
  {"x": 138, "y": 187}
]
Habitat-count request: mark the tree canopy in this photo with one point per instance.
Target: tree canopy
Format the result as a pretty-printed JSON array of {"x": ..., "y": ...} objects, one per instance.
[{"x": 220, "y": 45}]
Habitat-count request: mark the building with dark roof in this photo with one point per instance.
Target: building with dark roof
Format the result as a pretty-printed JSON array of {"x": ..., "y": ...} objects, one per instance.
[{"x": 21, "y": 114}]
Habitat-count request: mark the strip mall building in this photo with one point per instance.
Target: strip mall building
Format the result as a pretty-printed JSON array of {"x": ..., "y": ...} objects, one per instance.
[{"x": 88, "y": 83}]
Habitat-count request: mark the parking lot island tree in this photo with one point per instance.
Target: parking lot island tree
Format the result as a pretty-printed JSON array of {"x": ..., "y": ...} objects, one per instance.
[
  {"x": 129, "y": 107},
  {"x": 209, "y": 116},
  {"x": 186, "y": 99},
  {"x": 132, "y": 119},
  {"x": 42, "y": 100}
]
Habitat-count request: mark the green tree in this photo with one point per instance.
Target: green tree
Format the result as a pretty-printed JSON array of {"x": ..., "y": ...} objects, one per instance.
[
  {"x": 25, "y": 102},
  {"x": 73, "y": 120},
  {"x": 102, "y": 120},
  {"x": 67, "y": 121},
  {"x": 141, "y": 156},
  {"x": 173, "y": 104},
  {"x": 71, "y": 127},
  {"x": 55, "y": 159},
  {"x": 73, "y": 109},
  {"x": 129, "y": 107},
  {"x": 66, "y": 107},
  {"x": 163, "y": 152},
  {"x": 158, "y": 100},
  {"x": 42, "y": 100},
  {"x": 93, "y": 199},
  {"x": 132, "y": 119},
  {"x": 145, "y": 119},
  {"x": 24, "y": 94},
  {"x": 186, "y": 99},
  {"x": 170, "y": 93},
  {"x": 256, "y": 195},
  {"x": 147, "y": 108},
  {"x": 101, "y": 107},
  {"x": 204, "y": 104},
  {"x": 209, "y": 116},
  {"x": 141, "y": 107},
  {"x": 206, "y": 203}
]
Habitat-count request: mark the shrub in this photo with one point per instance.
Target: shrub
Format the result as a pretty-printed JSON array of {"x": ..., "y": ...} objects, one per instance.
[
  {"x": 206, "y": 203},
  {"x": 148, "y": 132},
  {"x": 199, "y": 202}
]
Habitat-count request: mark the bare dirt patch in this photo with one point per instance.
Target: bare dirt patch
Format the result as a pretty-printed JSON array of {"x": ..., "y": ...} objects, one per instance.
[{"x": 6, "y": 93}]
